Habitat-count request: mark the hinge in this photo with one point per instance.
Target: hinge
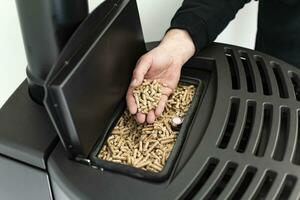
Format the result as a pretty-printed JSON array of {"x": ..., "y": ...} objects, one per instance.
[{"x": 83, "y": 160}]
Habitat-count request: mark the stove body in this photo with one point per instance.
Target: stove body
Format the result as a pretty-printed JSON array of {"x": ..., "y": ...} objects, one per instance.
[{"x": 243, "y": 141}]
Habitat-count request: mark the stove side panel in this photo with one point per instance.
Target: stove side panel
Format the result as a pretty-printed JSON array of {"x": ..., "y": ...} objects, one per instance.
[{"x": 20, "y": 181}]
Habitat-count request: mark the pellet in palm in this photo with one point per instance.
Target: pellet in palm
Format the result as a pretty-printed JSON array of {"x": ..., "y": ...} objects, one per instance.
[{"x": 147, "y": 95}]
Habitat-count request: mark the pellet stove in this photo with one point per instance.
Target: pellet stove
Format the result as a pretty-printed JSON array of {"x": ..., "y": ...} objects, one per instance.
[{"x": 242, "y": 140}]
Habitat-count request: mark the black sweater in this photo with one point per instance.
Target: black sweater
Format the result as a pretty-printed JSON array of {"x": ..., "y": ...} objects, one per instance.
[{"x": 278, "y": 31}]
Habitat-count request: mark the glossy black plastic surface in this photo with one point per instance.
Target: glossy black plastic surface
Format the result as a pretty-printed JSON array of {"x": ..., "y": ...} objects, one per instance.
[
  {"x": 26, "y": 132},
  {"x": 46, "y": 26},
  {"x": 20, "y": 181},
  {"x": 93, "y": 73}
]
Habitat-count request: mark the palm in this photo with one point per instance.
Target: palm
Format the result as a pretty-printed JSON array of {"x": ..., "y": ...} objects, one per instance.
[
  {"x": 163, "y": 63},
  {"x": 158, "y": 65},
  {"x": 163, "y": 70}
]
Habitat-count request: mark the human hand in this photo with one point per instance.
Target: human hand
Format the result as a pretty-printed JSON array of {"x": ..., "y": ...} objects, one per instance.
[{"x": 164, "y": 64}]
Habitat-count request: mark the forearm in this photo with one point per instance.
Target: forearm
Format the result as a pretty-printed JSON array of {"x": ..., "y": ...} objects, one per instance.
[{"x": 205, "y": 19}]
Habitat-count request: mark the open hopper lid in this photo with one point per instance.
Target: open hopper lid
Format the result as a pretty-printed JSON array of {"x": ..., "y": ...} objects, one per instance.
[{"x": 91, "y": 77}]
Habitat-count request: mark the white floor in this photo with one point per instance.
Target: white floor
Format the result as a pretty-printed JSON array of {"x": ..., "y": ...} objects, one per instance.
[{"x": 155, "y": 17}]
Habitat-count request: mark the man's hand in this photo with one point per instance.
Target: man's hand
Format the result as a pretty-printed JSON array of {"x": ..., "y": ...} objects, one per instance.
[{"x": 164, "y": 64}]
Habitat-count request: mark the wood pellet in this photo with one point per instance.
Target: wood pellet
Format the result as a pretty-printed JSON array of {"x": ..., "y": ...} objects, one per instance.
[
  {"x": 147, "y": 95},
  {"x": 147, "y": 146}
]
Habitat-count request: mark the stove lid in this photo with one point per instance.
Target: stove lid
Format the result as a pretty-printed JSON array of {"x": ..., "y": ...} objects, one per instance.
[{"x": 91, "y": 77}]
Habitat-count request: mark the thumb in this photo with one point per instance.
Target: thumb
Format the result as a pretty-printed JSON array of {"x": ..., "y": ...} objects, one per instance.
[
  {"x": 141, "y": 69},
  {"x": 134, "y": 83}
]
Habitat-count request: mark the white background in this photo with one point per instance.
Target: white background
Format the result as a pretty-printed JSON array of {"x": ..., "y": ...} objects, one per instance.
[{"x": 155, "y": 16}]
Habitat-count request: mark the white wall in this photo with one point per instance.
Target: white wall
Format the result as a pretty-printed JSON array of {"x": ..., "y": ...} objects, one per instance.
[
  {"x": 155, "y": 17},
  {"x": 12, "y": 55},
  {"x": 242, "y": 30}
]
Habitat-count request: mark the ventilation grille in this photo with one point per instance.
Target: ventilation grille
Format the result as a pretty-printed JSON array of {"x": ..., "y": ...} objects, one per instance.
[
  {"x": 247, "y": 128},
  {"x": 283, "y": 93},
  {"x": 255, "y": 153},
  {"x": 251, "y": 85},
  {"x": 264, "y": 76},
  {"x": 296, "y": 84},
  {"x": 288, "y": 186},
  {"x": 283, "y": 134},
  {"x": 265, "y": 185},
  {"x": 231, "y": 121},
  {"x": 259, "y": 121},
  {"x": 235, "y": 77},
  {"x": 265, "y": 131},
  {"x": 243, "y": 183},
  {"x": 221, "y": 175},
  {"x": 248, "y": 71}
]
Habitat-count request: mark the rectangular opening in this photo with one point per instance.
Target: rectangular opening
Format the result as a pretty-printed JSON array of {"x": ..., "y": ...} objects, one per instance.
[
  {"x": 226, "y": 176},
  {"x": 265, "y": 186},
  {"x": 148, "y": 150},
  {"x": 234, "y": 109},
  {"x": 265, "y": 131},
  {"x": 265, "y": 79},
  {"x": 243, "y": 183},
  {"x": 282, "y": 87},
  {"x": 205, "y": 174},
  {"x": 250, "y": 79},
  {"x": 248, "y": 125},
  {"x": 296, "y": 156},
  {"x": 296, "y": 83},
  {"x": 288, "y": 186},
  {"x": 235, "y": 78},
  {"x": 283, "y": 134}
]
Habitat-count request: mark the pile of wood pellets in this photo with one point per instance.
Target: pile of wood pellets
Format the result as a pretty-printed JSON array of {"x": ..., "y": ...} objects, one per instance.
[
  {"x": 147, "y": 146},
  {"x": 147, "y": 95}
]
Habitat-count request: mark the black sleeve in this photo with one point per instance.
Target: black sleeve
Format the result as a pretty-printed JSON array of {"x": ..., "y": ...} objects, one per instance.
[{"x": 205, "y": 19}]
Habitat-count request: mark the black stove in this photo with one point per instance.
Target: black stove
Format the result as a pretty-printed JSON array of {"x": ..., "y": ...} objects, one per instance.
[{"x": 242, "y": 142}]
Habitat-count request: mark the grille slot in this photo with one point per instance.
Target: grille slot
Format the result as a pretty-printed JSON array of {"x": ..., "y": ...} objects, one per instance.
[
  {"x": 288, "y": 186},
  {"x": 296, "y": 83},
  {"x": 283, "y": 134},
  {"x": 247, "y": 127},
  {"x": 207, "y": 172},
  {"x": 282, "y": 87},
  {"x": 265, "y": 186},
  {"x": 244, "y": 183},
  {"x": 234, "y": 108},
  {"x": 265, "y": 79},
  {"x": 235, "y": 78},
  {"x": 296, "y": 157},
  {"x": 248, "y": 72},
  {"x": 228, "y": 173},
  {"x": 265, "y": 131}
]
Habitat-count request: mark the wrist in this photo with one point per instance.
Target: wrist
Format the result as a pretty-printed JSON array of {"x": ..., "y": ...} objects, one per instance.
[{"x": 180, "y": 44}]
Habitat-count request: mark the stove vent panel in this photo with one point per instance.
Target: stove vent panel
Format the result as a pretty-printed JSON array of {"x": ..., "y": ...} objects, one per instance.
[{"x": 255, "y": 152}]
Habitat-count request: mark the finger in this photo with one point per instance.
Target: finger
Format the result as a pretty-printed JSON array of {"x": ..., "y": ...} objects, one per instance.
[
  {"x": 140, "y": 70},
  {"x": 140, "y": 118},
  {"x": 161, "y": 105},
  {"x": 131, "y": 104},
  {"x": 151, "y": 117}
]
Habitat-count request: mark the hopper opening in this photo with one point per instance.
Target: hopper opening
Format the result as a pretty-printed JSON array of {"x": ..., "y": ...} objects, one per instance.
[{"x": 153, "y": 163}]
